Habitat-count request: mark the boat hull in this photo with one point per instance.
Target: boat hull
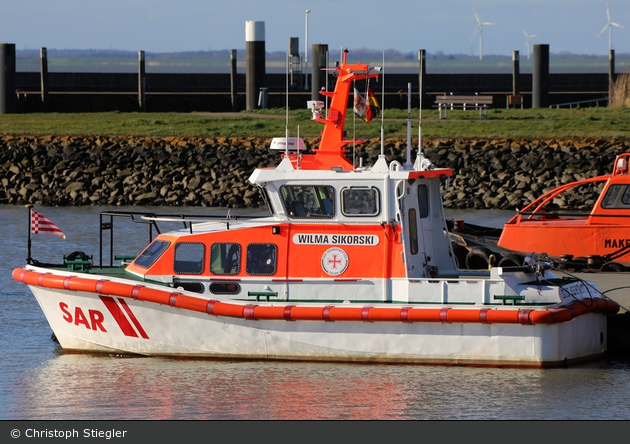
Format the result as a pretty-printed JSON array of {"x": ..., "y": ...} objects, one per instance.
[{"x": 95, "y": 323}]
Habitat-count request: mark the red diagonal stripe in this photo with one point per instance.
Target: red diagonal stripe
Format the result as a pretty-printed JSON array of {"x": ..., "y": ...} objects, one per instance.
[
  {"x": 119, "y": 316},
  {"x": 133, "y": 318}
]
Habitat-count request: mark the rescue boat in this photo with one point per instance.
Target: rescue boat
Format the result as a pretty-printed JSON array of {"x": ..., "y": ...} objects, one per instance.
[
  {"x": 558, "y": 226},
  {"x": 352, "y": 264}
]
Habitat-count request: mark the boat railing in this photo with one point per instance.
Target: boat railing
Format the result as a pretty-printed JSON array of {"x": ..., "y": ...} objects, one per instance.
[
  {"x": 151, "y": 220},
  {"x": 566, "y": 213}
]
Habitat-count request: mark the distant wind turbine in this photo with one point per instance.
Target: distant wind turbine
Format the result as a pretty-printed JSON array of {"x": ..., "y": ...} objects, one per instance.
[
  {"x": 480, "y": 31},
  {"x": 609, "y": 26},
  {"x": 527, "y": 45}
]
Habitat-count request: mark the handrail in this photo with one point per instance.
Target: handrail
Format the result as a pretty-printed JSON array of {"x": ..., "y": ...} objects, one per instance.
[
  {"x": 151, "y": 220},
  {"x": 570, "y": 104}
]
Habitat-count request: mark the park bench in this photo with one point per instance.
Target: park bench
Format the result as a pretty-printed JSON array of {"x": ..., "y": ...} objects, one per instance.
[{"x": 481, "y": 103}]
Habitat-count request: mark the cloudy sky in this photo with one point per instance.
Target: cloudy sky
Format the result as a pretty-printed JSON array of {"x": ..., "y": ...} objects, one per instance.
[{"x": 405, "y": 25}]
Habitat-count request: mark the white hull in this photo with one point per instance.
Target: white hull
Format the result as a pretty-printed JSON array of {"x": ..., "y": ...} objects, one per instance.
[{"x": 171, "y": 331}]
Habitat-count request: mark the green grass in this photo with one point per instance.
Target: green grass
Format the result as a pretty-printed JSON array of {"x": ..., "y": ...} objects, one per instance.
[{"x": 501, "y": 123}]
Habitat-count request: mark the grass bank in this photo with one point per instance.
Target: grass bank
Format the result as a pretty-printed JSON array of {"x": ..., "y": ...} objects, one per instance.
[{"x": 501, "y": 123}]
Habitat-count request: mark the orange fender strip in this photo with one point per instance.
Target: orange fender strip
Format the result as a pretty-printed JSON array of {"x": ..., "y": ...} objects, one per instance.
[
  {"x": 270, "y": 313},
  {"x": 329, "y": 313}
]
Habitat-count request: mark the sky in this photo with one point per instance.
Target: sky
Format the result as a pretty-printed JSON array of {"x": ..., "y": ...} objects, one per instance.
[{"x": 405, "y": 25}]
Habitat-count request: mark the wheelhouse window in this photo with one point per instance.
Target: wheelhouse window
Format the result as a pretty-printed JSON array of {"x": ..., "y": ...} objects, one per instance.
[
  {"x": 308, "y": 201},
  {"x": 617, "y": 196},
  {"x": 189, "y": 258},
  {"x": 360, "y": 201},
  {"x": 413, "y": 231},
  {"x": 261, "y": 259},
  {"x": 151, "y": 253},
  {"x": 225, "y": 258}
]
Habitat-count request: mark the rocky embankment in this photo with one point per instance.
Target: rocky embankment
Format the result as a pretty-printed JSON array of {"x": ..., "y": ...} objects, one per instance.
[{"x": 181, "y": 171}]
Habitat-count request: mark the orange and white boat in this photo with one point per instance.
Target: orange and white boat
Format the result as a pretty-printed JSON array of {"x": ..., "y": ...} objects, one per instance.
[
  {"x": 353, "y": 263},
  {"x": 558, "y": 228},
  {"x": 599, "y": 234}
]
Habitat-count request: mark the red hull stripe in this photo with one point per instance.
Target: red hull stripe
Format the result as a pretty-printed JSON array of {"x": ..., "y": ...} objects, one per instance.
[
  {"x": 328, "y": 313},
  {"x": 119, "y": 316},
  {"x": 133, "y": 318}
]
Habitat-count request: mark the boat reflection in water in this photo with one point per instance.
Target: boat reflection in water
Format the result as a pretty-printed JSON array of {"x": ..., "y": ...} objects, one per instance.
[{"x": 79, "y": 387}]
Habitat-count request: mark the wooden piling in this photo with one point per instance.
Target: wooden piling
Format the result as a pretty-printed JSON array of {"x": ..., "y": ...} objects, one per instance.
[
  {"x": 142, "y": 82},
  {"x": 8, "y": 100},
  {"x": 233, "y": 82},
  {"x": 254, "y": 61},
  {"x": 43, "y": 62},
  {"x": 422, "y": 75},
  {"x": 540, "y": 77}
]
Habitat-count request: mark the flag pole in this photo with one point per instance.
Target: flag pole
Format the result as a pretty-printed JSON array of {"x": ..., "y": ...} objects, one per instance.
[
  {"x": 383, "y": 109},
  {"x": 29, "y": 259}
]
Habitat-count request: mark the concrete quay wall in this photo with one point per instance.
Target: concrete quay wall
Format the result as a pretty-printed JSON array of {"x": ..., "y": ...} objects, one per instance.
[{"x": 190, "y": 171}]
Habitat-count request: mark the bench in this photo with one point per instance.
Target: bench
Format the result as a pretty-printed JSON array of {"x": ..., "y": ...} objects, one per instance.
[{"x": 482, "y": 103}]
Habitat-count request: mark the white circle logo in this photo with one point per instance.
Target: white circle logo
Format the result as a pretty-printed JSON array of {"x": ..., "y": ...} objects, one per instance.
[{"x": 335, "y": 261}]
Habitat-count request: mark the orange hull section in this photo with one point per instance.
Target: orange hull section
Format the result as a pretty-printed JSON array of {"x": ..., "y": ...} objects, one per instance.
[{"x": 560, "y": 239}]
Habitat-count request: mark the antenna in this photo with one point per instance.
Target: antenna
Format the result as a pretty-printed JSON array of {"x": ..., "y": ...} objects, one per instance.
[
  {"x": 383, "y": 108},
  {"x": 528, "y": 37},
  {"x": 420, "y": 153},
  {"x": 480, "y": 31},
  {"x": 609, "y": 26},
  {"x": 286, "y": 130}
]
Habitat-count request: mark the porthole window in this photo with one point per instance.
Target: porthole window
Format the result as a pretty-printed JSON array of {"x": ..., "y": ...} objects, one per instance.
[
  {"x": 225, "y": 258},
  {"x": 151, "y": 253},
  {"x": 308, "y": 201},
  {"x": 189, "y": 258},
  {"x": 195, "y": 287},
  {"x": 360, "y": 201},
  {"x": 261, "y": 259},
  {"x": 225, "y": 288}
]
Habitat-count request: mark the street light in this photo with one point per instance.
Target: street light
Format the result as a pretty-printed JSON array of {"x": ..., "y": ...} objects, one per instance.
[{"x": 306, "y": 53}]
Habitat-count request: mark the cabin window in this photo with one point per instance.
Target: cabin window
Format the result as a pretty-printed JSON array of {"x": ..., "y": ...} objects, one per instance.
[
  {"x": 151, "y": 253},
  {"x": 360, "y": 201},
  {"x": 225, "y": 258},
  {"x": 413, "y": 231},
  {"x": 423, "y": 201},
  {"x": 617, "y": 196},
  {"x": 189, "y": 258},
  {"x": 225, "y": 288},
  {"x": 261, "y": 259},
  {"x": 308, "y": 201},
  {"x": 194, "y": 287}
]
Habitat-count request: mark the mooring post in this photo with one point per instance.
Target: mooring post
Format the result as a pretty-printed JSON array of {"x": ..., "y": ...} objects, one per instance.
[
  {"x": 516, "y": 72},
  {"x": 254, "y": 61},
  {"x": 422, "y": 73},
  {"x": 318, "y": 77},
  {"x": 540, "y": 77},
  {"x": 142, "y": 82},
  {"x": 43, "y": 59},
  {"x": 611, "y": 73},
  {"x": 8, "y": 102},
  {"x": 233, "y": 84}
]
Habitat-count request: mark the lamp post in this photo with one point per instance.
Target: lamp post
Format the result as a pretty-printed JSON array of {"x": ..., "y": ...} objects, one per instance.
[{"x": 306, "y": 53}]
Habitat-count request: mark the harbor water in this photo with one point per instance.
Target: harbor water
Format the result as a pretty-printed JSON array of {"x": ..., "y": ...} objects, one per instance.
[{"x": 38, "y": 381}]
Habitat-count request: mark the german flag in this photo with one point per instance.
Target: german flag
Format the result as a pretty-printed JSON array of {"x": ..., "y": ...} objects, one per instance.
[{"x": 373, "y": 109}]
